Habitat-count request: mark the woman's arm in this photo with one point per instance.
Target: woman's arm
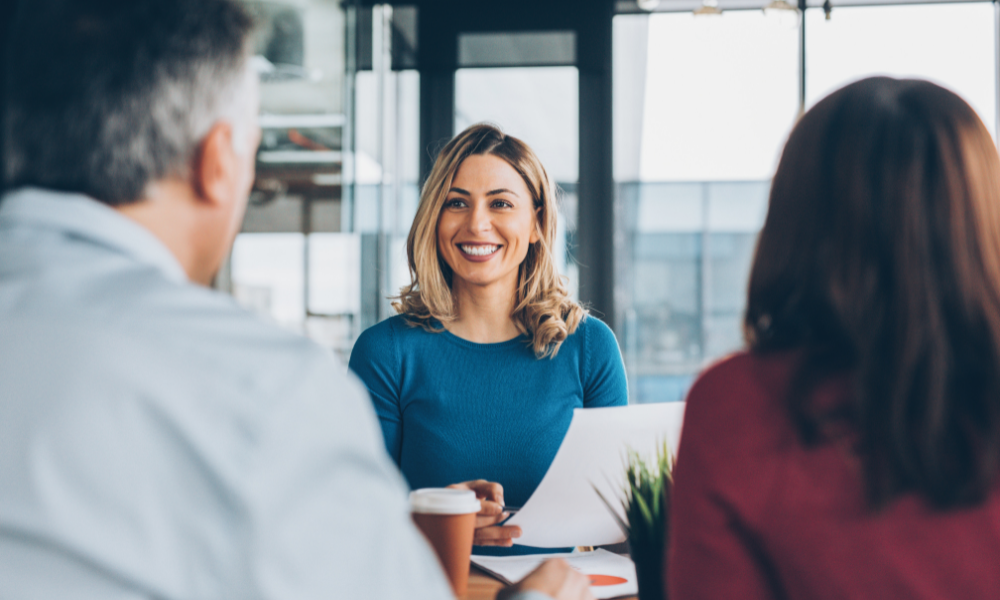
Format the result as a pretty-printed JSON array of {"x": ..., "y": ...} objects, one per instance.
[
  {"x": 604, "y": 381},
  {"x": 375, "y": 360}
]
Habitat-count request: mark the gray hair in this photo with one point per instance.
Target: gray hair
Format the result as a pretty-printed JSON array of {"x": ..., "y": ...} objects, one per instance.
[{"x": 107, "y": 96}]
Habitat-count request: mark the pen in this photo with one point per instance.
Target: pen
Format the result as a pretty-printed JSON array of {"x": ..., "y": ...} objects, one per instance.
[{"x": 511, "y": 511}]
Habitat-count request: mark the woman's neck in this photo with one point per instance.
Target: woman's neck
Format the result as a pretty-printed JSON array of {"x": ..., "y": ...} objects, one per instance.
[{"x": 483, "y": 313}]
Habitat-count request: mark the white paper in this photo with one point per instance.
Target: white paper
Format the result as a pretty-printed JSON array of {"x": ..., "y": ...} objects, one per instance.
[
  {"x": 565, "y": 510},
  {"x": 511, "y": 569}
]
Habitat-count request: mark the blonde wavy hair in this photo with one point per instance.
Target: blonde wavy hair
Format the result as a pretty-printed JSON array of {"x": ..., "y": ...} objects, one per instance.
[{"x": 542, "y": 307}]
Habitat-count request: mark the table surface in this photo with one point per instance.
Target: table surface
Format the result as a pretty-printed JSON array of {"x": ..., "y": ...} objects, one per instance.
[
  {"x": 482, "y": 586},
  {"x": 485, "y": 587}
]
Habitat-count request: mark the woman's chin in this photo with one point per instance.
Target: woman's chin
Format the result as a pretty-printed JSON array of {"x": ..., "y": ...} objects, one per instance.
[
  {"x": 481, "y": 278},
  {"x": 478, "y": 281}
]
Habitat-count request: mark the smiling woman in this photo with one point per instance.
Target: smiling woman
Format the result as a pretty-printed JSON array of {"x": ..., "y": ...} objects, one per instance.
[
  {"x": 506, "y": 189},
  {"x": 486, "y": 223},
  {"x": 478, "y": 376}
]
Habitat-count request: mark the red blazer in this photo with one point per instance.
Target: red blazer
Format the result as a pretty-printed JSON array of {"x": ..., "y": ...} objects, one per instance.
[{"x": 757, "y": 515}]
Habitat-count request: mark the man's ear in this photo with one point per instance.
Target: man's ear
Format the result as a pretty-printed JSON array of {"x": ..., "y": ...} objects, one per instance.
[{"x": 214, "y": 172}]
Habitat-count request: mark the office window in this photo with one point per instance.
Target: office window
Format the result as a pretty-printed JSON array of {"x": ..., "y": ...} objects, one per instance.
[
  {"x": 953, "y": 45},
  {"x": 322, "y": 245},
  {"x": 702, "y": 109},
  {"x": 386, "y": 187},
  {"x": 291, "y": 263}
]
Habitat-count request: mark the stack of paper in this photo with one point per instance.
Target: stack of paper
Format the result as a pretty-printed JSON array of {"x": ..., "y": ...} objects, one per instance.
[{"x": 611, "y": 575}]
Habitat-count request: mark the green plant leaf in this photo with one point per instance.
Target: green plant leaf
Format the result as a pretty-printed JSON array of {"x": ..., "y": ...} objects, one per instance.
[
  {"x": 644, "y": 499},
  {"x": 644, "y": 509}
]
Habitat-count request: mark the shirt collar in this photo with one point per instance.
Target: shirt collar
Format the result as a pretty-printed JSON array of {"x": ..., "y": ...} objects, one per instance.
[{"x": 89, "y": 219}]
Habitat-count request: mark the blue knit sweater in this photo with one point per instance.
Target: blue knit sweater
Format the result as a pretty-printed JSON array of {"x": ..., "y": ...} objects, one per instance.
[{"x": 454, "y": 410}]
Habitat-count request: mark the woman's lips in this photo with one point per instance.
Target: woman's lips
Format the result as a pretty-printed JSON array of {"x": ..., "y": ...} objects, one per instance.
[{"x": 479, "y": 252}]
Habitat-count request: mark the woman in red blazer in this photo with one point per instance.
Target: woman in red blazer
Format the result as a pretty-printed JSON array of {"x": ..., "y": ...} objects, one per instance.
[{"x": 853, "y": 450}]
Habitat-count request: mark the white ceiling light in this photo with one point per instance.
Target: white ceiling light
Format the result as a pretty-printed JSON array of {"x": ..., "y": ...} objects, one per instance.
[
  {"x": 648, "y": 4},
  {"x": 708, "y": 7},
  {"x": 781, "y": 12},
  {"x": 780, "y": 7}
]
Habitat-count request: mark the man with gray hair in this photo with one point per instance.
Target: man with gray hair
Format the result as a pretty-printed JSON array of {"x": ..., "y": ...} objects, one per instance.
[{"x": 156, "y": 441}]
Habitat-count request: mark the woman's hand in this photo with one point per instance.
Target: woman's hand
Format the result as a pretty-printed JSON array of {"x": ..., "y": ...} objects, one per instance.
[{"x": 488, "y": 533}]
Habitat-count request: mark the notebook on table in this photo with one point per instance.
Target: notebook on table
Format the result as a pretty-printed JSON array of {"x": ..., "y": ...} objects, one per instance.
[{"x": 611, "y": 575}]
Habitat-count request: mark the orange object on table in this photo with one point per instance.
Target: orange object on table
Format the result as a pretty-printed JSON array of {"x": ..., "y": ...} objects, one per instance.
[
  {"x": 451, "y": 538},
  {"x": 485, "y": 587}
]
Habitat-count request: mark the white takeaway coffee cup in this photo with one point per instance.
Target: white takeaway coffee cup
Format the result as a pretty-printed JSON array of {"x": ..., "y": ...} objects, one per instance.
[{"x": 447, "y": 517}]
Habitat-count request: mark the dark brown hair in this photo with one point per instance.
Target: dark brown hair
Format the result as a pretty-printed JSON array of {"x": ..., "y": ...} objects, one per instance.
[{"x": 880, "y": 258}]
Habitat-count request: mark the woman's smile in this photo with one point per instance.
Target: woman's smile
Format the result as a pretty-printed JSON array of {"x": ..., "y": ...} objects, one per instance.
[{"x": 479, "y": 252}]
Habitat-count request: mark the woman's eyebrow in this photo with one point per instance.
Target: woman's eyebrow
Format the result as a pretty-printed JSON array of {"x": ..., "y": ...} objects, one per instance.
[{"x": 489, "y": 193}]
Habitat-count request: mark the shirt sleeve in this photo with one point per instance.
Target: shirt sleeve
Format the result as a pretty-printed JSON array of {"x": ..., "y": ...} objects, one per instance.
[
  {"x": 604, "y": 381},
  {"x": 712, "y": 552},
  {"x": 328, "y": 511},
  {"x": 375, "y": 360}
]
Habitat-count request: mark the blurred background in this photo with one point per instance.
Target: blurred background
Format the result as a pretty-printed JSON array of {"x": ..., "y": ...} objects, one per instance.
[{"x": 661, "y": 121}]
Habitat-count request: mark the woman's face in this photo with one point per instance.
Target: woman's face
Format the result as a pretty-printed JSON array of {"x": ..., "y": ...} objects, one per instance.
[{"x": 486, "y": 224}]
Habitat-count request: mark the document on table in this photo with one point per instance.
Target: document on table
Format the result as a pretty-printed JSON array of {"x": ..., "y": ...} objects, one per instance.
[
  {"x": 611, "y": 575},
  {"x": 565, "y": 510}
]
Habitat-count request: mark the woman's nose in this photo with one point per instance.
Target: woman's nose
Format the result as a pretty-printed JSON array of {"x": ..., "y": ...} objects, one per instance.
[{"x": 480, "y": 219}]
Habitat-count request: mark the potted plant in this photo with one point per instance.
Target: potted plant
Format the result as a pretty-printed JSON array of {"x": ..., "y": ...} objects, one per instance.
[{"x": 645, "y": 501}]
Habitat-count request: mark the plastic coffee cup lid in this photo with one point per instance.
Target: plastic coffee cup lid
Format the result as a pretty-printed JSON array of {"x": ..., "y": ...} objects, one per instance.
[{"x": 443, "y": 501}]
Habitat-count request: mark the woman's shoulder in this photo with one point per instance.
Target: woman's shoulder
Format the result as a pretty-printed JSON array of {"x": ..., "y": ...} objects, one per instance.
[
  {"x": 397, "y": 332},
  {"x": 379, "y": 333},
  {"x": 593, "y": 327},
  {"x": 748, "y": 369},
  {"x": 393, "y": 327},
  {"x": 742, "y": 392},
  {"x": 596, "y": 334},
  {"x": 743, "y": 370},
  {"x": 380, "y": 340}
]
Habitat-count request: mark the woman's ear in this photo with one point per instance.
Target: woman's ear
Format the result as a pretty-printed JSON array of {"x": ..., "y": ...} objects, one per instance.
[{"x": 535, "y": 231}]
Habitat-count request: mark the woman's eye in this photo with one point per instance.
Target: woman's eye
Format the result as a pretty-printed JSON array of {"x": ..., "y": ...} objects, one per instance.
[
  {"x": 502, "y": 204},
  {"x": 454, "y": 203}
]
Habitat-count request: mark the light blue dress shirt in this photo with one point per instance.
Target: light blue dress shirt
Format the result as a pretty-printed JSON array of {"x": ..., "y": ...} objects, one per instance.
[{"x": 157, "y": 441}]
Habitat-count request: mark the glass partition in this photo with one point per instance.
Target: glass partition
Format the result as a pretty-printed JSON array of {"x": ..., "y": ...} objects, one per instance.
[
  {"x": 277, "y": 268},
  {"x": 322, "y": 245},
  {"x": 702, "y": 108},
  {"x": 703, "y": 127}
]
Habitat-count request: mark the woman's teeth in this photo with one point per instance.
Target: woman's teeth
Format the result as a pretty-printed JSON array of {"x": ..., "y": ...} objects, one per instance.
[{"x": 479, "y": 250}]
